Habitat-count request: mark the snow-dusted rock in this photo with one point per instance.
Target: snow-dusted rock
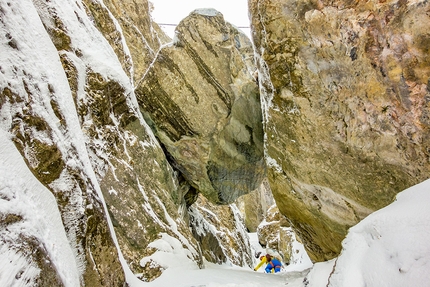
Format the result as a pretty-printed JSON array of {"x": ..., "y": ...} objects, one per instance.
[
  {"x": 127, "y": 26},
  {"x": 221, "y": 232},
  {"x": 67, "y": 102},
  {"x": 68, "y": 73},
  {"x": 275, "y": 233}
]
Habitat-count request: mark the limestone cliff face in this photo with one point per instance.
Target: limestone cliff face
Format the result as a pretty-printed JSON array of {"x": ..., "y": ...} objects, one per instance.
[
  {"x": 203, "y": 104},
  {"x": 345, "y": 88},
  {"x": 38, "y": 113}
]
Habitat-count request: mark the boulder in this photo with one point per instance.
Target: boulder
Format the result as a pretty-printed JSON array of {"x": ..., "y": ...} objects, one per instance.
[{"x": 203, "y": 104}]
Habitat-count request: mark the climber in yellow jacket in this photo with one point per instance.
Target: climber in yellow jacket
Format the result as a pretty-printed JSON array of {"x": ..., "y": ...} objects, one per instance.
[
  {"x": 273, "y": 264},
  {"x": 263, "y": 260}
]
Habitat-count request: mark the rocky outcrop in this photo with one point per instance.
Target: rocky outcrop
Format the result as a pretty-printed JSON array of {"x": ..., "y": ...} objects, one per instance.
[
  {"x": 345, "y": 89},
  {"x": 254, "y": 205},
  {"x": 203, "y": 104},
  {"x": 39, "y": 117},
  {"x": 221, "y": 232},
  {"x": 275, "y": 233}
]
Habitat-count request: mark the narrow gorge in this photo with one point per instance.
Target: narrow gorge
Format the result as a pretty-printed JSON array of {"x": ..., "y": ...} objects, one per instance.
[{"x": 118, "y": 143}]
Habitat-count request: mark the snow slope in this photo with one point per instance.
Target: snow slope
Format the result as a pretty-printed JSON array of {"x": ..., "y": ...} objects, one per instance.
[
  {"x": 391, "y": 246},
  {"x": 388, "y": 248}
]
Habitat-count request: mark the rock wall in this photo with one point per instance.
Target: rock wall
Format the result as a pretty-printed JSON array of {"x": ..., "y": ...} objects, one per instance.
[
  {"x": 345, "y": 89},
  {"x": 68, "y": 104},
  {"x": 128, "y": 28}
]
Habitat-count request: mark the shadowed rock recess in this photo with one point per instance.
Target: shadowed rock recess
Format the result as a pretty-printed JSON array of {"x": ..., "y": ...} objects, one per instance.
[
  {"x": 203, "y": 104},
  {"x": 345, "y": 94}
]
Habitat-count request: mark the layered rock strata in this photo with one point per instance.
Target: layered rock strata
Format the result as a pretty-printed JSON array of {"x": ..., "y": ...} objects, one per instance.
[
  {"x": 69, "y": 75},
  {"x": 203, "y": 104}
]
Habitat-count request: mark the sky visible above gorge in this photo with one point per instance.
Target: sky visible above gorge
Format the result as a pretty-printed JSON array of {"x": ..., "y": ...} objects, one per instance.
[{"x": 172, "y": 12}]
